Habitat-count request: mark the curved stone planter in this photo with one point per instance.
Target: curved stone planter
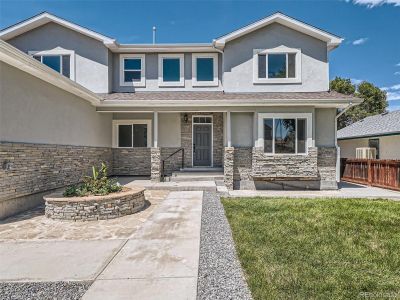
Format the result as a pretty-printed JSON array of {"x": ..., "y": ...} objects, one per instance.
[{"x": 92, "y": 208}]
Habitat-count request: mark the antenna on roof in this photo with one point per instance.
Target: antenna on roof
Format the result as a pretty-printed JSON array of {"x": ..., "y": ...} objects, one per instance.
[{"x": 154, "y": 34}]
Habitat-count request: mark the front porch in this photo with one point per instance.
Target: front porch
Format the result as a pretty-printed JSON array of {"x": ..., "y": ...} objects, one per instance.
[{"x": 159, "y": 143}]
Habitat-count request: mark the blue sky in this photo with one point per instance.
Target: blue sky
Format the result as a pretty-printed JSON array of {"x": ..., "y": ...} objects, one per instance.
[{"x": 371, "y": 28}]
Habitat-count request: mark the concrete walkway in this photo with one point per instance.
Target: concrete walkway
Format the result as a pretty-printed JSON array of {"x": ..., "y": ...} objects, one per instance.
[
  {"x": 346, "y": 190},
  {"x": 161, "y": 260}
]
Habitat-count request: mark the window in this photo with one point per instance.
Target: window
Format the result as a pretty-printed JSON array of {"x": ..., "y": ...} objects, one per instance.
[
  {"x": 171, "y": 70},
  {"x": 205, "y": 69},
  {"x": 279, "y": 65},
  {"x": 59, "y": 59},
  {"x": 135, "y": 133},
  {"x": 132, "y": 70},
  {"x": 59, "y": 63},
  {"x": 374, "y": 143},
  {"x": 285, "y": 133},
  {"x": 202, "y": 120}
]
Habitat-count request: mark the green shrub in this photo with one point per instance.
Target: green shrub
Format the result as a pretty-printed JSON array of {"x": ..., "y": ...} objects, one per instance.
[{"x": 97, "y": 184}]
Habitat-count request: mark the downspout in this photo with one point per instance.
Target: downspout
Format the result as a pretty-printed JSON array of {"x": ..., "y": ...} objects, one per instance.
[{"x": 336, "y": 143}]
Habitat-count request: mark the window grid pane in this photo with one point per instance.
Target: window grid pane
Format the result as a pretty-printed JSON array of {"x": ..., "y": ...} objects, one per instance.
[
  {"x": 276, "y": 65},
  {"x": 285, "y": 135},
  {"x": 124, "y": 135},
  {"x": 130, "y": 76},
  {"x": 291, "y": 65},
  {"x": 139, "y": 135},
  {"x": 66, "y": 65},
  {"x": 171, "y": 69},
  {"x": 132, "y": 64},
  {"x": 262, "y": 66},
  {"x": 52, "y": 61},
  {"x": 301, "y": 135},
  {"x": 205, "y": 69},
  {"x": 268, "y": 131}
]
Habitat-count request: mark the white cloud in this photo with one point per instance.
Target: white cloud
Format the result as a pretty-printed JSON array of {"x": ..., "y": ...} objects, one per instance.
[
  {"x": 391, "y": 96},
  {"x": 393, "y": 92},
  {"x": 360, "y": 41},
  {"x": 397, "y": 73},
  {"x": 374, "y": 3},
  {"x": 398, "y": 65},
  {"x": 356, "y": 81}
]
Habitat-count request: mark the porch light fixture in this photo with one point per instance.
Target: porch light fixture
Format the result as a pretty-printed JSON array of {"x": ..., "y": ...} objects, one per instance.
[{"x": 185, "y": 118}]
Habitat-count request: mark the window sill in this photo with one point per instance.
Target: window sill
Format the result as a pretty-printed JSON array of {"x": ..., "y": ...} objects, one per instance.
[
  {"x": 133, "y": 84},
  {"x": 277, "y": 81},
  {"x": 196, "y": 83},
  {"x": 171, "y": 84}
]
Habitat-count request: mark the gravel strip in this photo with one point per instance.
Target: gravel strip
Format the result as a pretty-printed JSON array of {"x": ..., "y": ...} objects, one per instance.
[
  {"x": 65, "y": 290},
  {"x": 220, "y": 273}
]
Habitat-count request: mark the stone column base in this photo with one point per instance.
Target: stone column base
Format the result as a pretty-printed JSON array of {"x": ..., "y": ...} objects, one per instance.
[
  {"x": 155, "y": 164},
  {"x": 228, "y": 167}
]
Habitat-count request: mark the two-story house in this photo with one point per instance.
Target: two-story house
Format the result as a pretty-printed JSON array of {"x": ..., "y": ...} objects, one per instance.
[{"x": 254, "y": 102}]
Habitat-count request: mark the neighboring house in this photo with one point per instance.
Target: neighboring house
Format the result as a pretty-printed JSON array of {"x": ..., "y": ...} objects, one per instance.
[
  {"x": 381, "y": 132},
  {"x": 254, "y": 102}
]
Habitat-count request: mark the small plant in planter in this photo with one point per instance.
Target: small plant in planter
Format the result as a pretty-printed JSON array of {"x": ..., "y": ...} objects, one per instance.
[{"x": 97, "y": 184}]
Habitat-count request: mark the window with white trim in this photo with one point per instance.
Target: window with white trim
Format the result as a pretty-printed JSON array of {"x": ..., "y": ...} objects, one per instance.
[
  {"x": 132, "y": 70},
  {"x": 60, "y": 60},
  {"x": 131, "y": 134},
  {"x": 205, "y": 69},
  {"x": 285, "y": 133},
  {"x": 278, "y": 65},
  {"x": 171, "y": 70}
]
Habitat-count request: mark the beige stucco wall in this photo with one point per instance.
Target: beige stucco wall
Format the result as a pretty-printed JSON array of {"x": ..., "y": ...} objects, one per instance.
[
  {"x": 389, "y": 147},
  {"x": 34, "y": 111},
  {"x": 325, "y": 127},
  {"x": 242, "y": 129},
  {"x": 169, "y": 130}
]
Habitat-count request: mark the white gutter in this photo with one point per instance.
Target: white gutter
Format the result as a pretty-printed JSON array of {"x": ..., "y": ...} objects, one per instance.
[{"x": 336, "y": 144}]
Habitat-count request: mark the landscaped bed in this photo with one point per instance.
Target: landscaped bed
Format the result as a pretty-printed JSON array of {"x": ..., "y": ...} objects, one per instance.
[
  {"x": 96, "y": 198},
  {"x": 317, "y": 248}
]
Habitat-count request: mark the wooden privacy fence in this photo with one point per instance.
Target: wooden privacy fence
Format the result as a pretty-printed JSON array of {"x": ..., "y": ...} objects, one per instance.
[{"x": 374, "y": 172}]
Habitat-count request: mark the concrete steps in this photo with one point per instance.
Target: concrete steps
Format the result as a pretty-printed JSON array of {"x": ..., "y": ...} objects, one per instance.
[
  {"x": 184, "y": 186},
  {"x": 197, "y": 174}
]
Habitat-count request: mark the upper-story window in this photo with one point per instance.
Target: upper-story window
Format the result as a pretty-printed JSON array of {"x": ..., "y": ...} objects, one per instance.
[
  {"x": 205, "y": 69},
  {"x": 132, "y": 70},
  {"x": 171, "y": 70},
  {"x": 60, "y": 60},
  {"x": 277, "y": 65}
]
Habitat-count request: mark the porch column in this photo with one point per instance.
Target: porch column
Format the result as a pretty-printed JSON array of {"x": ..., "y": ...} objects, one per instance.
[
  {"x": 155, "y": 136},
  {"x": 228, "y": 129},
  {"x": 155, "y": 152},
  {"x": 228, "y": 154}
]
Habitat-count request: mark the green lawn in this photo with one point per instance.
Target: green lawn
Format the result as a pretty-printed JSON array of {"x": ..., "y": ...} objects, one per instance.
[{"x": 317, "y": 248}]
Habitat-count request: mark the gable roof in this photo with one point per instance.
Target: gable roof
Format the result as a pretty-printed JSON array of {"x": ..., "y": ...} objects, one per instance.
[
  {"x": 18, "y": 59},
  {"x": 44, "y": 18},
  {"x": 378, "y": 125},
  {"x": 332, "y": 40}
]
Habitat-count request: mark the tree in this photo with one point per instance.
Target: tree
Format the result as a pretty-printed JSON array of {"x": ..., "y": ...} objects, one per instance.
[{"x": 374, "y": 100}]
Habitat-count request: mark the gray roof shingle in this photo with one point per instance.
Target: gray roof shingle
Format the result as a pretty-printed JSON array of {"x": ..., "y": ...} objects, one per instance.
[
  {"x": 332, "y": 95},
  {"x": 383, "y": 124}
]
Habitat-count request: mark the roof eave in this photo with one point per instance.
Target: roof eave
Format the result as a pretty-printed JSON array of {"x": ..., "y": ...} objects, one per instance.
[
  {"x": 44, "y": 18},
  {"x": 332, "y": 41}
]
